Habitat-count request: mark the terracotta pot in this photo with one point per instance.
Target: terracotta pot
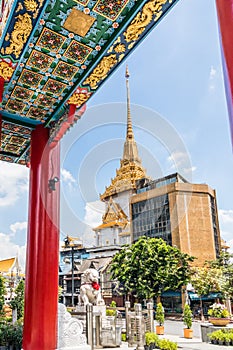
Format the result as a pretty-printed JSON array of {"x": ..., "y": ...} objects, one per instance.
[
  {"x": 219, "y": 321},
  {"x": 160, "y": 330},
  {"x": 188, "y": 333}
]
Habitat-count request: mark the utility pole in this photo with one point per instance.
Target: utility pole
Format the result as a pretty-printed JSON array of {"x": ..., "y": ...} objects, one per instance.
[{"x": 68, "y": 245}]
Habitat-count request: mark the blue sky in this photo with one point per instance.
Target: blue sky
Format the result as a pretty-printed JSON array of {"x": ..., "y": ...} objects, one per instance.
[{"x": 180, "y": 123}]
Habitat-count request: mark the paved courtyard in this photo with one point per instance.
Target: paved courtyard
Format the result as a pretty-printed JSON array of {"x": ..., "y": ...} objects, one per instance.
[{"x": 174, "y": 332}]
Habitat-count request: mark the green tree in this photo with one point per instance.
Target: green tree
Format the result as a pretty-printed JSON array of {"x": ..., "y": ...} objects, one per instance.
[
  {"x": 18, "y": 301},
  {"x": 2, "y": 293},
  {"x": 150, "y": 266},
  {"x": 206, "y": 280},
  {"x": 224, "y": 264}
]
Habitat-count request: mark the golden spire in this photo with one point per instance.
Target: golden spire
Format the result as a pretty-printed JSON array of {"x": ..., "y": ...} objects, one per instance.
[
  {"x": 131, "y": 168},
  {"x": 130, "y": 147},
  {"x": 130, "y": 134}
]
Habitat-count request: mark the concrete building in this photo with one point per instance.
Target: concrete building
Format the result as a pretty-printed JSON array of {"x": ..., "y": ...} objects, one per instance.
[{"x": 183, "y": 214}]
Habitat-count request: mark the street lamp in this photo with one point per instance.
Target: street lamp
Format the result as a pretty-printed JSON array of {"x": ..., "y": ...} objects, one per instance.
[{"x": 68, "y": 245}]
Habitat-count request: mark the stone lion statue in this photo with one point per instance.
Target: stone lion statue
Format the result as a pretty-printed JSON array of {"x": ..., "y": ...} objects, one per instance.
[{"x": 90, "y": 292}]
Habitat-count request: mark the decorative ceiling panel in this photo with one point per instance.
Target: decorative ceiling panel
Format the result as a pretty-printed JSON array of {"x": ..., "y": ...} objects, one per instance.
[{"x": 56, "y": 52}]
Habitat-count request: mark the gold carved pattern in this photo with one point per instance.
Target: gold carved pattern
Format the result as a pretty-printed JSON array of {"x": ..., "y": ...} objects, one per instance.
[
  {"x": 19, "y": 8},
  {"x": 21, "y": 32},
  {"x": 101, "y": 71},
  {"x": 5, "y": 70},
  {"x": 125, "y": 179},
  {"x": 30, "y": 5},
  {"x": 120, "y": 48},
  {"x": 78, "y": 99},
  {"x": 143, "y": 18}
]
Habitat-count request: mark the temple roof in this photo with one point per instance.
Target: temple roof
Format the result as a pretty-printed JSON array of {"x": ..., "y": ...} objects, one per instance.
[
  {"x": 7, "y": 265},
  {"x": 114, "y": 216},
  {"x": 56, "y": 53},
  {"x": 131, "y": 168}
]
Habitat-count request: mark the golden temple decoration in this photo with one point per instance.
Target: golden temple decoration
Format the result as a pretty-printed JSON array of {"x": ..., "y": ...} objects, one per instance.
[
  {"x": 30, "y": 5},
  {"x": 131, "y": 168},
  {"x": 120, "y": 48},
  {"x": 78, "y": 99},
  {"x": 20, "y": 34},
  {"x": 7, "y": 37},
  {"x": 78, "y": 22},
  {"x": 125, "y": 179},
  {"x": 5, "y": 70},
  {"x": 143, "y": 18},
  {"x": 19, "y": 8},
  {"x": 101, "y": 71}
]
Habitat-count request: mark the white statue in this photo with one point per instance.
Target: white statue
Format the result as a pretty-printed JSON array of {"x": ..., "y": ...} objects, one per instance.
[
  {"x": 70, "y": 332},
  {"x": 90, "y": 292}
]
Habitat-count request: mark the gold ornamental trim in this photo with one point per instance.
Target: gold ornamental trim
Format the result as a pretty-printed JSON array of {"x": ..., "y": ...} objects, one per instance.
[
  {"x": 101, "y": 71},
  {"x": 143, "y": 18},
  {"x": 78, "y": 99},
  {"x": 19, "y": 35},
  {"x": 6, "y": 71}
]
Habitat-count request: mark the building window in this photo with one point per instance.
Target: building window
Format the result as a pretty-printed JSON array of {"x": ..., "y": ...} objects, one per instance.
[
  {"x": 214, "y": 223},
  {"x": 151, "y": 218}
]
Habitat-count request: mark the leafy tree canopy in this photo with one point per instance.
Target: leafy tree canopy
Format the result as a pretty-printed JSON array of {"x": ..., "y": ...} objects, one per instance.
[
  {"x": 150, "y": 266},
  {"x": 18, "y": 301},
  {"x": 2, "y": 293}
]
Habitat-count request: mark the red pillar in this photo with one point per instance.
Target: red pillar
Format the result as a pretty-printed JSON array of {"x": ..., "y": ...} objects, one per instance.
[
  {"x": 225, "y": 16},
  {"x": 41, "y": 292}
]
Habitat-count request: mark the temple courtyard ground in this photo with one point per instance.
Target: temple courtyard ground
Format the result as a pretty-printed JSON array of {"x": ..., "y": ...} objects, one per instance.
[{"x": 174, "y": 332}]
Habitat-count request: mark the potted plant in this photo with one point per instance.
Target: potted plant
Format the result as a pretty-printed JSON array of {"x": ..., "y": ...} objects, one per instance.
[
  {"x": 219, "y": 316},
  {"x": 165, "y": 344},
  {"x": 151, "y": 340},
  {"x": 188, "y": 320},
  {"x": 160, "y": 319}
]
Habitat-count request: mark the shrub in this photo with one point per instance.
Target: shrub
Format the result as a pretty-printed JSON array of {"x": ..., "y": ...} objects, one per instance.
[
  {"x": 151, "y": 338},
  {"x": 159, "y": 314},
  {"x": 110, "y": 312},
  {"x": 188, "y": 316},
  {"x": 218, "y": 310},
  {"x": 165, "y": 344}
]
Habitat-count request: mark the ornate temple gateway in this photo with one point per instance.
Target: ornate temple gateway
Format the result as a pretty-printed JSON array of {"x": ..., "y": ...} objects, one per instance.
[{"x": 54, "y": 55}]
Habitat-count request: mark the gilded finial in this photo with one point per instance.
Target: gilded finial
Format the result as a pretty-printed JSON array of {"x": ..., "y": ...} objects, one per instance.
[
  {"x": 127, "y": 72},
  {"x": 129, "y": 121}
]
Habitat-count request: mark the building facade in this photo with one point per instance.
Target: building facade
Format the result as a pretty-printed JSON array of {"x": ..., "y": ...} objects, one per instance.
[{"x": 183, "y": 214}]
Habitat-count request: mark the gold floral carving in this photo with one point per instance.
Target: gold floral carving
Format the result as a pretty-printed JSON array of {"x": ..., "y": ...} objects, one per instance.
[
  {"x": 78, "y": 99},
  {"x": 5, "y": 70},
  {"x": 143, "y": 18},
  {"x": 119, "y": 48},
  {"x": 30, "y": 5},
  {"x": 21, "y": 32},
  {"x": 101, "y": 71}
]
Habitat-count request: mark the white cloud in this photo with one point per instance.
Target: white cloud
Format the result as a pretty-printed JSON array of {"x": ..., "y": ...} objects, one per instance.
[
  {"x": 189, "y": 170},
  {"x": 18, "y": 226},
  {"x": 179, "y": 161},
  {"x": 9, "y": 250},
  {"x": 13, "y": 182},
  {"x": 67, "y": 176},
  {"x": 93, "y": 213},
  {"x": 68, "y": 179},
  {"x": 212, "y": 78},
  {"x": 213, "y": 72},
  {"x": 226, "y": 226}
]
